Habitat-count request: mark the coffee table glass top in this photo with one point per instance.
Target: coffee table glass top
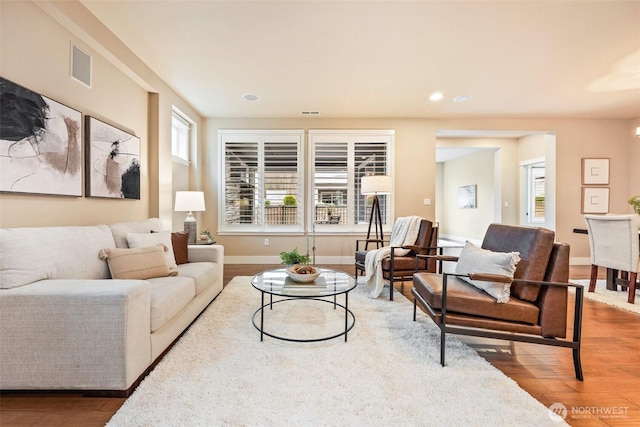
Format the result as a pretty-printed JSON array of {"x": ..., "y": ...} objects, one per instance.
[{"x": 330, "y": 282}]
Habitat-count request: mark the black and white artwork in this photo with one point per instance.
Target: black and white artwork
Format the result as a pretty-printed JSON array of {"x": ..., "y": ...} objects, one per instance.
[
  {"x": 467, "y": 197},
  {"x": 40, "y": 143},
  {"x": 113, "y": 161}
]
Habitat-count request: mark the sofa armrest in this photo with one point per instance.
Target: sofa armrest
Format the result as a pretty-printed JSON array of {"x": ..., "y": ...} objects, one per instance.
[
  {"x": 75, "y": 334},
  {"x": 209, "y": 253},
  {"x": 206, "y": 253}
]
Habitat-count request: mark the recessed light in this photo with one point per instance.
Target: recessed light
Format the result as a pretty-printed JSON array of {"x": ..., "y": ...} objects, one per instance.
[
  {"x": 462, "y": 98},
  {"x": 250, "y": 97},
  {"x": 436, "y": 96}
]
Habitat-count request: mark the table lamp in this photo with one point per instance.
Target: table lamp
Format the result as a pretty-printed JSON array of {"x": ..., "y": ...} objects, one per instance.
[
  {"x": 190, "y": 201},
  {"x": 375, "y": 184}
]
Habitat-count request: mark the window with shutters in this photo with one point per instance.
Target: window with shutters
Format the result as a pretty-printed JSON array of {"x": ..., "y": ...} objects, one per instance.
[
  {"x": 262, "y": 172},
  {"x": 339, "y": 160}
]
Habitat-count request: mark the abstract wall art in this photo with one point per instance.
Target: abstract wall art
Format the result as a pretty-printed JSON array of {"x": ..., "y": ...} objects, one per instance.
[
  {"x": 467, "y": 197},
  {"x": 113, "y": 161},
  {"x": 40, "y": 143}
]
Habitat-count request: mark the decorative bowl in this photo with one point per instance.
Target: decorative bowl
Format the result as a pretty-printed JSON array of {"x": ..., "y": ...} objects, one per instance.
[{"x": 301, "y": 277}]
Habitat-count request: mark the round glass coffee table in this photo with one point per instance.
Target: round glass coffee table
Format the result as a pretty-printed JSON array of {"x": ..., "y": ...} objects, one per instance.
[{"x": 325, "y": 289}]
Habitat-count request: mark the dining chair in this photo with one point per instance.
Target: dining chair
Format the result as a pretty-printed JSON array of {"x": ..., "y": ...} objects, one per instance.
[{"x": 615, "y": 244}]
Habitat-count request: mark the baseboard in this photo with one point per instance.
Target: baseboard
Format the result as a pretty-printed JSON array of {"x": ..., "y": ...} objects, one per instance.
[{"x": 276, "y": 260}]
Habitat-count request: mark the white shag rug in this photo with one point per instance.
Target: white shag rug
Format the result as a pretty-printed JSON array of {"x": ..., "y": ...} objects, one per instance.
[
  {"x": 388, "y": 373},
  {"x": 614, "y": 298}
]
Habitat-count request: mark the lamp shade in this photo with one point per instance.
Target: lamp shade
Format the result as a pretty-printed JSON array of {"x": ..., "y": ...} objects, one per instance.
[
  {"x": 375, "y": 184},
  {"x": 189, "y": 201}
]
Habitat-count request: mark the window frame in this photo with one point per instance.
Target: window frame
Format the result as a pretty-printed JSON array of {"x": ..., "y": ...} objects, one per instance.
[
  {"x": 261, "y": 137},
  {"x": 352, "y": 137},
  {"x": 183, "y": 119}
]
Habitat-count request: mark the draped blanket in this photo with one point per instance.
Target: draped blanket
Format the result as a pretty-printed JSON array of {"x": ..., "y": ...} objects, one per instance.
[{"x": 404, "y": 232}]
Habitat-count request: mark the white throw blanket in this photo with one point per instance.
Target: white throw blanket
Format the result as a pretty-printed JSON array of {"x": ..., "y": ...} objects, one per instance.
[{"x": 404, "y": 232}]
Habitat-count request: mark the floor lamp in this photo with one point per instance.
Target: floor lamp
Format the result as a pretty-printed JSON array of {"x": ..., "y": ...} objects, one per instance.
[
  {"x": 375, "y": 184},
  {"x": 189, "y": 201}
]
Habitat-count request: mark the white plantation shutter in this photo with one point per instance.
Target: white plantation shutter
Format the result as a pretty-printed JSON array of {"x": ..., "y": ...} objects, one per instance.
[
  {"x": 339, "y": 161},
  {"x": 262, "y": 170}
]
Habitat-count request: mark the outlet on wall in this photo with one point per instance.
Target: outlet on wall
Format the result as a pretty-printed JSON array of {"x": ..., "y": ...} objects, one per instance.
[{"x": 266, "y": 242}]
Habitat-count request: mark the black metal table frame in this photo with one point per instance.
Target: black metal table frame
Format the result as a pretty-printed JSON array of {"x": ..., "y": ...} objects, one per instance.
[{"x": 347, "y": 313}]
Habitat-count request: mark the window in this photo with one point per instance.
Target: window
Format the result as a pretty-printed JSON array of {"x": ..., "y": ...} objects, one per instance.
[
  {"x": 262, "y": 173},
  {"x": 180, "y": 136},
  {"x": 536, "y": 193},
  {"x": 339, "y": 159}
]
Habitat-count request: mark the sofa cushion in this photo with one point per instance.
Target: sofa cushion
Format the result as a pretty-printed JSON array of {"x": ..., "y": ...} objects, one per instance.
[
  {"x": 462, "y": 297},
  {"x": 137, "y": 263},
  {"x": 180, "y": 243},
  {"x": 204, "y": 274},
  {"x": 140, "y": 240},
  {"x": 30, "y": 254},
  {"x": 169, "y": 295},
  {"x": 121, "y": 229},
  {"x": 473, "y": 259}
]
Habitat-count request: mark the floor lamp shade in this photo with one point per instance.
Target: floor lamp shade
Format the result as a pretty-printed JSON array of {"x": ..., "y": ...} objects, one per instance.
[
  {"x": 375, "y": 184},
  {"x": 190, "y": 201}
]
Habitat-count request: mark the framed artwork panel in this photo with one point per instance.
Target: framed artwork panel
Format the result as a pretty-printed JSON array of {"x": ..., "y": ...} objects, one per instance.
[
  {"x": 113, "y": 161},
  {"x": 595, "y": 171},
  {"x": 40, "y": 143},
  {"x": 595, "y": 200},
  {"x": 467, "y": 197}
]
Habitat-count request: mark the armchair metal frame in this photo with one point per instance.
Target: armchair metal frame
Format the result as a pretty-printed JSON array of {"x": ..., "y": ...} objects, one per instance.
[
  {"x": 440, "y": 319},
  {"x": 392, "y": 274}
]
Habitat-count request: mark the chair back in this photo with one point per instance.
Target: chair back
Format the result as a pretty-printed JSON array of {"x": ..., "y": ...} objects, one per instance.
[
  {"x": 613, "y": 240},
  {"x": 425, "y": 234}
]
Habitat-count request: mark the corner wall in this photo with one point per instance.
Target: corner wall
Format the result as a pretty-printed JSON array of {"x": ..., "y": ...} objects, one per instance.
[{"x": 34, "y": 53}]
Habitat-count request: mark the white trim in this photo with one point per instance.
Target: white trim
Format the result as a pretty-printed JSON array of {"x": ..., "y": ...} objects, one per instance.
[
  {"x": 352, "y": 132},
  {"x": 261, "y": 131},
  {"x": 579, "y": 261},
  {"x": 275, "y": 260}
]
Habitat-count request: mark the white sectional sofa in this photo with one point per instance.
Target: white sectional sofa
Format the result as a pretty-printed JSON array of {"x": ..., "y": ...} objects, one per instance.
[{"x": 65, "y": 324}]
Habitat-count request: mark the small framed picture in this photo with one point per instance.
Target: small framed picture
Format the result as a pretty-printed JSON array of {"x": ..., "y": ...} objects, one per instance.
[
  {"x": 595, "y": 171},
  {"x": 595, "y": 200},
  {"x": 467, "y": 197}
]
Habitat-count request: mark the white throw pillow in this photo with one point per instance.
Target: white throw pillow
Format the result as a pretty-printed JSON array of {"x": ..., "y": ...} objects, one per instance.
[
  {"x": 477, "y": 260},
  {"x": 136, "y": 240}
]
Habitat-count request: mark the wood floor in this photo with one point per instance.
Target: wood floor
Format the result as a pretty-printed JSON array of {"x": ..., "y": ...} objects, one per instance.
[{"x": 609, "y": 396}]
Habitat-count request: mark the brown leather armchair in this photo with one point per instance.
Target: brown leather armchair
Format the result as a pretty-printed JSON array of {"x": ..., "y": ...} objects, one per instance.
[
  {"x": 537, "y": 308},
  {"x": 402, "y": 267}
]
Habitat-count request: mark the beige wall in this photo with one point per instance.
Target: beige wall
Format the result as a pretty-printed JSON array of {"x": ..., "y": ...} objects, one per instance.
[
  {"x": 34, "y": 53},
  {"x": 415, "y": 170},
  {"x": 475, "y": 169}
]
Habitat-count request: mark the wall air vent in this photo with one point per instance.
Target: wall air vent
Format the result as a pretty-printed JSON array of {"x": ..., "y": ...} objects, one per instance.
[{"x": 80, "y": 66}]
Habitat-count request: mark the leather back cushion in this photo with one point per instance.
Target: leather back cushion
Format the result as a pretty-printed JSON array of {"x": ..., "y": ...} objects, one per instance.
[
  {"x": 534, "y": 245},
  {"x": 424, "y": 234}
]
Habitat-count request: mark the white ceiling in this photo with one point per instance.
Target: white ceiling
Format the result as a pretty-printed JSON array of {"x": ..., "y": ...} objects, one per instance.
[{"x": 529, "y": 59}]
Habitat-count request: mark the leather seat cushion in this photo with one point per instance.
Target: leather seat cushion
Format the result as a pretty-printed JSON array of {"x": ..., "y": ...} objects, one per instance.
[
  {"x": 464, "y": 298},
  {"x": 401, "y": 264}
]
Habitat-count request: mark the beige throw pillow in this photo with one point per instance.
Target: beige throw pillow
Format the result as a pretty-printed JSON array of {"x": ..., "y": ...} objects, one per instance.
[
  {"x": 477, "y": 260},
  {"x": 139, "y": 240},
  {"x": 137, "y": 263}
]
